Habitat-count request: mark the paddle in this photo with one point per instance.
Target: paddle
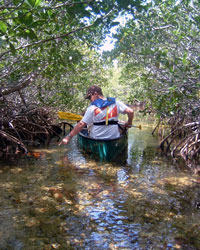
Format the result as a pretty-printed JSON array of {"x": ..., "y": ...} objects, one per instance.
[
  {"x": 134, "y": 126},
  {"x": 130, "y": 126},
  {"x": 69, "y": 116}
]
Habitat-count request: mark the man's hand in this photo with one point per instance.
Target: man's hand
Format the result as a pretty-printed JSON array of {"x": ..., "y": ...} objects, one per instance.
[
  {"x": 128, "y": 125},
  {"x": 64, "y": 141},
  {"x": 130, "y": 114},
  {"x": 74, "y": 132}
]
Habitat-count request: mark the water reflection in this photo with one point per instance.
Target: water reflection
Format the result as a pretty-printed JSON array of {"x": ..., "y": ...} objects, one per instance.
[{"x": 60, "y": 198}]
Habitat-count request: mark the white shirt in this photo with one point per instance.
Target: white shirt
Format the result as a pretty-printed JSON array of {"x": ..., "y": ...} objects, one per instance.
[{"x": 94, "y": 114}]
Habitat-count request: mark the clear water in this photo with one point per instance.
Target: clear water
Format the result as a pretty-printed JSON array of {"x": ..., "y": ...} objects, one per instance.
[{"x": 59, "y": 198}]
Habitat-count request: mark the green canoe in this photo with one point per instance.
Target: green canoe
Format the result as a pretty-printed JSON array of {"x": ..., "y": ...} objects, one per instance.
[{"x": 104, "y": 150}]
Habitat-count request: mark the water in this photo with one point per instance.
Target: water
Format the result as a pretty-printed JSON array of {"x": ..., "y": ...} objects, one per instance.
[{"x": 59, "y": 198}]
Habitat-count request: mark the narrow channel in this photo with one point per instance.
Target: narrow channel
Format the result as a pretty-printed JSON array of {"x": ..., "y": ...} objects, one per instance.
[{"x": 60, "y": 198}]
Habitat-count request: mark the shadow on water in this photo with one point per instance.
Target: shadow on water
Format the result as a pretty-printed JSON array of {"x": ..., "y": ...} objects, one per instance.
[{"x": 60, "y": 198}]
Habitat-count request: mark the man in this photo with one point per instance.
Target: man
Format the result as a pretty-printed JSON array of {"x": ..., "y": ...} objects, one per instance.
[{"x": 102, "y": 115}]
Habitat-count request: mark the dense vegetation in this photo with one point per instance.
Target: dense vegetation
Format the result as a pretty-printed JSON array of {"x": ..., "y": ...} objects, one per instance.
[
  {"x": 49, "y": 56},
  {"x": 158, "y": 51}
]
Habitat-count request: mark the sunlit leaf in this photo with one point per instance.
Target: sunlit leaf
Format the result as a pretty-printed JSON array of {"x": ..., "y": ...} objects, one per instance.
[
  {"x": 37, "y": 2},
  {"x": 31, "y": 3},
  {"x": 31, "y": 34},
  {"x": 3, "y": 27}
]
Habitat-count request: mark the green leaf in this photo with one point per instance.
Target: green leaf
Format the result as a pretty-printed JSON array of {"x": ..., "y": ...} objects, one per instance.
[
  {"x": 171, "y": 68},
  {"x": 172, "y": 88},
  {"x": 86, "y": 13},
  {"x": 16, "y": 2},
  {"x": 3, "y": 27},
  {"x": 37, "y": 2},
  {"x": 31, "y": 34},
  {"x": 25, "y": 18},
  {"x": 114, "y": 23},
  {"x": 185, "y": 61},
  {"x": 97, "y": 22},
  {"x": 1, "y": 42},
  {"x": 12, "y": 48},
  {"x": 31, "y": 3},
  {"x": 38, "y": 23}
]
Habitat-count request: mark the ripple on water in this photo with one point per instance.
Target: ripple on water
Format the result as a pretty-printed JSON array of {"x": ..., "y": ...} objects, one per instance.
[{"x": 66, "y": 200}]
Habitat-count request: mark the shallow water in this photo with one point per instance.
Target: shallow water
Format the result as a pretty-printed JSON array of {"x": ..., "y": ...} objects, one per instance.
[{"x": 59, "y": 198}]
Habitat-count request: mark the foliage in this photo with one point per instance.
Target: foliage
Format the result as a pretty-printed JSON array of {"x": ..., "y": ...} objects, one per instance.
[
  {"x": 159, "y": 50},
  {"x": 47, "y": 53},
  {"x": 115, "y": 88},
  {"x": 84, "y": 68},
  {"x": 48, "y": 43}
]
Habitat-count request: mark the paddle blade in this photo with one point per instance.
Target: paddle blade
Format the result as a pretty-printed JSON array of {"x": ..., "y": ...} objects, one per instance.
[{"x": 69, "y": 116}]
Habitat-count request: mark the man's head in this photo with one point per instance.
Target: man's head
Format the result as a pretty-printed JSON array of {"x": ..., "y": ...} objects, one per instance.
[{"x": 93, "y": 90}]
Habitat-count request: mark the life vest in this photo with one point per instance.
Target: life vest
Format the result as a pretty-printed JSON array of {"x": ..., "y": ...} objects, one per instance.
[{"x": 102, "y": 104}]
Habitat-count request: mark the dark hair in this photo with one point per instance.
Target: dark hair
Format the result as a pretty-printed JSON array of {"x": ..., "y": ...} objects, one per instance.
[{"x": 93, "y": 89}]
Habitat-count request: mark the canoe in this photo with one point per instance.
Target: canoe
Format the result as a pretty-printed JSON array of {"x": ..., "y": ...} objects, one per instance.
[{"x": 104, "y": 150}]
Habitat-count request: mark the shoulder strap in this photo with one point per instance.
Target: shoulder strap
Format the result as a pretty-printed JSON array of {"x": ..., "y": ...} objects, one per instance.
[{"x": 100, "y": 103}]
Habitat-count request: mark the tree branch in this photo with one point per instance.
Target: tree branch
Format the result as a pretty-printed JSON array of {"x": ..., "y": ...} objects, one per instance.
[
  {"x": 47, "y": 40},
  {"x": 12, "y": 8},
  {"x": 69, "y": 4},
  {"x": 22, "y": 84}
]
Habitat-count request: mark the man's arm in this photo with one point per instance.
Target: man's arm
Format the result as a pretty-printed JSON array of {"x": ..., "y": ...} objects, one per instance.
[
  {"x": 130, "y": 114},
  {"x": 74, "y": 132}
]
